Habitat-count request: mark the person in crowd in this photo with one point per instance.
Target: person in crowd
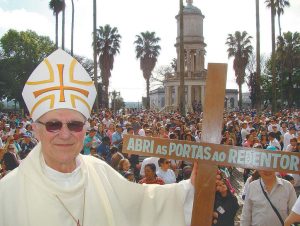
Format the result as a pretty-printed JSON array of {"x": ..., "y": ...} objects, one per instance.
[
  {"x": 26, "y": 146},
  {"x": 28, "y": 132},
  {"x": 124, "y": 166},
  {"x": 244, "y": 131},
  {"x": 150, "y": 175},
  {"x": 110, "y": 131},
  {"x": 55, "y": 185},
  {"x": 294, "y": 216},
  {"x": 146, "y": 161},
  {"x": 134, "y": 159},
  {"x": 142, "y": 131},
  {"x": 11, "y": 158},
  {"x": 162, "y": 132},
  {"x": 257, "y": 210},
  {"x": 273, "y": 141},
  {"x": 135, "y": 125},
  {"x": 254, "y": 176},
  {"x": 249, "y": 141},
  {"x": 225, "y": 206},
  {"x": 3, "y": 171},
  {"x": 89, "y": 141},
  {"x": 129, "y": 175},
  {"x": 117, "y": 139},
  {"x": 149, "y": 133},
  {"x": 107, "y": 120},
  {"x": 273, "y": 122},
  {"x": 1, "y": 143},
  {"x": 165, "y": 172},
  {"x": 101, "y": 132},
  {"x": 278, "y": 135},
  {"x": 17, "y": 134},
  {"x": 94, "y": 153},
  {"x": 288, "y": 136},
  {"x": 264, "y": 141},
  {"x": 116, "y": 157},
  {"x": 293, "y": 145},
  {"x": 103, "y": 150}
]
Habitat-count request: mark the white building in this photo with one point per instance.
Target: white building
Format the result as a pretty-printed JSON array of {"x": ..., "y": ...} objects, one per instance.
[
  {"x": 194, "y": 71},
  {"x": 194, "y": 49},
  {"x": 157, "y": 98}
]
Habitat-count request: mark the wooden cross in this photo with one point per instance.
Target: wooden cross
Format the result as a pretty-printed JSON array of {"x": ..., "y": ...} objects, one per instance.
[{"x": 209, "y": 152}]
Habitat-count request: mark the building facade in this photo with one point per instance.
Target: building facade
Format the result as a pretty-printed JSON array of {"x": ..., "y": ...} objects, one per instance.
[
  {"x": 194, "y": 72},
  {"x": 194, "y": 50},
  {"x": 157, "y": 98}
]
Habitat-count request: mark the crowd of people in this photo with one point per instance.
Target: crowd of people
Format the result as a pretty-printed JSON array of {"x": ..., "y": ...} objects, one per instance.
[
  {"x": 105, "y": 135},
  {"x": 45, "y": 180}
]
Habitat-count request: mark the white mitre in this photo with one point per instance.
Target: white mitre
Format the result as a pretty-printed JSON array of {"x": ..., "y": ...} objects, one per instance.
[{"x": 59, "y": 82}]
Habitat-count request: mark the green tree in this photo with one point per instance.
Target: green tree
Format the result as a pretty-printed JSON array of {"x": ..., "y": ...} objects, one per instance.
[
  {"x": 279, "y": 9},
  {"x": 117, "y": 101},
  {"x": 288, "y": 56},
  {"x": 240, "y": 48},
  {"x": 108, "y": 45},
  {"x": 21, "y": 54},
  {"x": 56, "y": 6},
  {"x": 147, "y": 50},
  {"x": 87, "y": 64}
]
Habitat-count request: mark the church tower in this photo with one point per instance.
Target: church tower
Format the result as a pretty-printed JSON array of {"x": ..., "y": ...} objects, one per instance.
[
  {"x": 194, "y": 51},
  {"x": 194, "y": 46}
]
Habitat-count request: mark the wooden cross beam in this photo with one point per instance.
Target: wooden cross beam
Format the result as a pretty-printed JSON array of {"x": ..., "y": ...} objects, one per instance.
[{"x": 209, "y": 152}]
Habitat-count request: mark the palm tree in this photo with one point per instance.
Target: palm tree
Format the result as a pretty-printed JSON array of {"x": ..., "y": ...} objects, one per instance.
[
  {"x": 240, "y": 48},
  {"x": 279, "y": 8},
  {"x": 271, "y": 4},
  {"x": 288, "y": 53},
  {"x": 147, "y": 50},
  {"x": 57, "y": 6},
  {"x": 63, "y": 25},
  {"x": 258, "y": 70},
  {"x": 108, "y": 44},
  {"x": 72, "y": 28},
  {"x": 95, "y": 55}
]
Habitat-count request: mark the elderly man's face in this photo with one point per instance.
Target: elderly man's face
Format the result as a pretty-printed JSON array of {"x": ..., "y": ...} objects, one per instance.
[{"x": 60, "y": 148}]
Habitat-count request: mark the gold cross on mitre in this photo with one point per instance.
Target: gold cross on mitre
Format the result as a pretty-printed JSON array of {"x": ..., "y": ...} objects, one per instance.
[{"x": 59, "y": 82}]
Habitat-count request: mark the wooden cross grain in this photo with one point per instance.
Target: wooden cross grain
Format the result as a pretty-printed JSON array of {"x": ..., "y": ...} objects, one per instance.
[{"x": 209, "y": 153}]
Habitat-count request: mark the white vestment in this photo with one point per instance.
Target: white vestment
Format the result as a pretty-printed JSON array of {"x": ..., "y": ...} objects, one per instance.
[{"x": 29, "y": 198}]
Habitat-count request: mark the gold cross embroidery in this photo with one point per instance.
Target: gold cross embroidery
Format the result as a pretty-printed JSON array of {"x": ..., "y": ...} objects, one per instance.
[{"x": 61, "y": 87}]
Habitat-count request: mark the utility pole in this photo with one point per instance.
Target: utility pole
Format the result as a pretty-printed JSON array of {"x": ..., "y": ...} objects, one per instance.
[
  {"x": 181, "y": 55},
  {"x": 95, "y": 52}
]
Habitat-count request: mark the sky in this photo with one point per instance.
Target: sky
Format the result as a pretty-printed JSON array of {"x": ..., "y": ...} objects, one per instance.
[{"x": 135, "y": 16}]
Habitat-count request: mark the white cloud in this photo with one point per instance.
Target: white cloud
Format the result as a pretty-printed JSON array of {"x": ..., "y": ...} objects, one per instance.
[{"x": 20, "y": 19}]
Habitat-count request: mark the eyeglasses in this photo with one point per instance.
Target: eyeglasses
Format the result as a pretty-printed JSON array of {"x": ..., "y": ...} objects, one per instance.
[{"x": 55, "y": 126}]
